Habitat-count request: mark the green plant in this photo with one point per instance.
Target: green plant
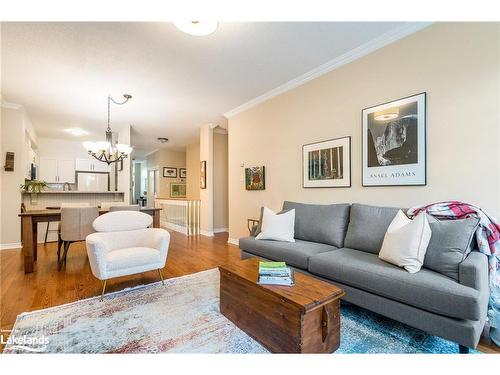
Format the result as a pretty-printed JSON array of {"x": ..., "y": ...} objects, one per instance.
[{"x": 33, "y": 186}]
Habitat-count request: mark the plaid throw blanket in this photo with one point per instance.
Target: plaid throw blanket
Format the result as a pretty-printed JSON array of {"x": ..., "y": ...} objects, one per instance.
[{"x": 487, "y": 233}]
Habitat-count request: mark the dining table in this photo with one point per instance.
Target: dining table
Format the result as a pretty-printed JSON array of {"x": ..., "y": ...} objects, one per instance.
[{"x": 29, "y": 225}]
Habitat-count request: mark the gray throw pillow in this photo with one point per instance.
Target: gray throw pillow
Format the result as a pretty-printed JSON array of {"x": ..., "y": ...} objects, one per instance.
[{"x": 450, "y": 244}]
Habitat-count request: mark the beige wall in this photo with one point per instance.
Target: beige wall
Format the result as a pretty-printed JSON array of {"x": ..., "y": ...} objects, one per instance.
[
  {"x": 166, "y": 158},
  {"x": 456, "y": 64},
  {"x": 207, "y": 195},
  {"x": 12, "y": 140},
  {"x": 193, "y": 171},
  {"x": 221, "y": 214}
]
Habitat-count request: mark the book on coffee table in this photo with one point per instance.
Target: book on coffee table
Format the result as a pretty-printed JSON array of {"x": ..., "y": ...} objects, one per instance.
[{"x": 275, "y": 273}]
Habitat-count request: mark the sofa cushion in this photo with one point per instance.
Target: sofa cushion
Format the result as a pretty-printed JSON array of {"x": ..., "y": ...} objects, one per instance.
[
  {"x": 277, "y": 227},
  {"x": 367, "y": 227},
  {"x": 319, "y": 222},
  {"x": 450, "y": 243},
  {"x": 426, "y": 289},
  {"x": 406, "y": 241},
  {"x": 293, "y": 253}
]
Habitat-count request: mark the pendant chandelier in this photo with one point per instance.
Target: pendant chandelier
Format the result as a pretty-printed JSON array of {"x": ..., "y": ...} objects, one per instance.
[{"x": 106, "y": 151}]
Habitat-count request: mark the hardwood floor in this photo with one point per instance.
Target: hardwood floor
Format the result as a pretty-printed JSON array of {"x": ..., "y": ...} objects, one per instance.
[{"x": 47, "y": 287}]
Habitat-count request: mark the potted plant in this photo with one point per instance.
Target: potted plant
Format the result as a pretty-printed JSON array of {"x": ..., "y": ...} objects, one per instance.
[{"x": 33, "y": 186}]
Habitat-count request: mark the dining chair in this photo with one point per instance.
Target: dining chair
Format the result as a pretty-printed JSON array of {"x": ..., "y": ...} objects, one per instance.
[
  {"x": 132, "y": 207},
  {"x": 105, "y": 206},
  {"x": 75, "y": 225}
]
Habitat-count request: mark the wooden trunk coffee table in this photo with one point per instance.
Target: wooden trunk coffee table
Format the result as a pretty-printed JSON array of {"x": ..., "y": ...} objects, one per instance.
[{"x": 304, "y": 318}]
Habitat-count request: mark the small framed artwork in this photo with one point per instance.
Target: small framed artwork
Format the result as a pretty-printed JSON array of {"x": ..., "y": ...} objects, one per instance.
[
  {"x": 394, "y": 150},
  {"x": 182, "y": 172},
  {"x": 178, "y": 190},
  {"x": 9, "y": 162},
  {"x": 255, "y": 178},
  {"x": 327, "y": 164},
  {"x": 203, "y": 174},
  {"x": 170, "y": 172}
]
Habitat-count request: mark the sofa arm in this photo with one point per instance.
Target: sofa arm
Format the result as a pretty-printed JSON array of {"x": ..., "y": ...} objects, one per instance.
[{"x": 473, "y": 271}]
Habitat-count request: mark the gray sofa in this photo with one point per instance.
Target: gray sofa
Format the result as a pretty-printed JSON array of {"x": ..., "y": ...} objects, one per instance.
[{"x": 340, "y": 243}]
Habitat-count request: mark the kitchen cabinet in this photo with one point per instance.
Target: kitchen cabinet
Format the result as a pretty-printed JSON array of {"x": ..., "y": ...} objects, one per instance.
[
  {"x": 55, "y": 170},
  {"x": 92, "y": 165}
]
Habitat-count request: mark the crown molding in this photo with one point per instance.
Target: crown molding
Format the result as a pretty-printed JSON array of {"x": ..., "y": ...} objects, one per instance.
[
  {"x": 151, "y": 152},
  {"x": 354, "y": 54},
  {"x": 9, "y": 105}
]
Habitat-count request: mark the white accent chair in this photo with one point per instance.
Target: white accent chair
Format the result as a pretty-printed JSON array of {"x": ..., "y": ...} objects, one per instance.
[{"x": 124, "y": 245}]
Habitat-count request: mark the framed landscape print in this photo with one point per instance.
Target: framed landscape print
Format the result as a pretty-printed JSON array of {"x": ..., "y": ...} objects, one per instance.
[
  {"x": 255, "y": 178},
  {"x": 394, "y": 143},
  {"x": 170, "y": 172},
  {"x": 327, "y": 164},
  {"x": 182, "y": 172},
  {"x": 178, "y": 190},
  {"x": 203, "y": 174}
]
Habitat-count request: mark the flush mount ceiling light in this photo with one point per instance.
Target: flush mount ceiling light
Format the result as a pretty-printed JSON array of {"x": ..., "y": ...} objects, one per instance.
[
  {"x": 107, "y": 152},
  {"x": 76, "y": 132},
  {"x": 197, "y": 28},
  {"x": 162, "y": 139},
  {"x": 386, "y": 114}
]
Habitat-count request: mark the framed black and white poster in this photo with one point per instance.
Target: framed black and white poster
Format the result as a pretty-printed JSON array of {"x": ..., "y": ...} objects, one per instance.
[
  {"x": 327, "y": 164},
  {"x": 183, "y": 172},
  {"x": 170, "y": 172},
  {"x": 394, "y": 143}
]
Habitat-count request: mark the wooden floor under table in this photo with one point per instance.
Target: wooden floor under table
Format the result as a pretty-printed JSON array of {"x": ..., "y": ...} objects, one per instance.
[{"x": 20, "y": 292}]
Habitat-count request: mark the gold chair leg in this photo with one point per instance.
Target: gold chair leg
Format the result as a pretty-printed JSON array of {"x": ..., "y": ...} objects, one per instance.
[
  {"x": 103, "y": 289},
  {"x": 161, "y": 276}
]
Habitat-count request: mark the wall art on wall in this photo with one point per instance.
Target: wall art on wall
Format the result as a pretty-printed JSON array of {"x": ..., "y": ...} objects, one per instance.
[
  {"x": 182, "y": 172},
  {"x": 394, "y": 150},
  {"x": 170, "y": 172},
  {"x": 178, "y": 190},
  {"x": 255, "y": 178},
  {"x": 9, "y": 162},
  {"x": 327, "y": 163},
  {"x": 203, "y": 174}
]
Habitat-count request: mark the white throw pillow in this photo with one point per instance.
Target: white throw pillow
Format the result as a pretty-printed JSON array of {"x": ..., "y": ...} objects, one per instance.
[
  {"x": 406, "y": 241},
  {"x": 278, "y": 227}
]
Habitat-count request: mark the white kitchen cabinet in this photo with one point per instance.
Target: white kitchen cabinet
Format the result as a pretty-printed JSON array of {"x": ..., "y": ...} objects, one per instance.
[
  {"x": 84, "y": 164},
  {"x": 92, "y": 165},
  {"x": 99, "y": 166},
  {"x": 66, "y": 170},
  {"x": 48, "y": 170},
  {"x": 55, "y": 170}
]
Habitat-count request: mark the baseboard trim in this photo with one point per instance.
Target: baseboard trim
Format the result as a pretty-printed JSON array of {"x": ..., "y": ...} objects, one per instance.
[
  {"x": 221, "y": 230},
  {"x": 233, "y": 241},
  {"x": 206, "y": 233},
  {"x": 8, "y": 246}
]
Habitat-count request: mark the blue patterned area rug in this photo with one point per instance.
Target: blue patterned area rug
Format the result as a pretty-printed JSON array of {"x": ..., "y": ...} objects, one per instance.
[
  {"x": 363, "y": 331},
  {"x": 183, "y": 317}
]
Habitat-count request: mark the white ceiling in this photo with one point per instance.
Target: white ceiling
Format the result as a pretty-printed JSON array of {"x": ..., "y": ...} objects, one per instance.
[{"x": 62, "y": 72}]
